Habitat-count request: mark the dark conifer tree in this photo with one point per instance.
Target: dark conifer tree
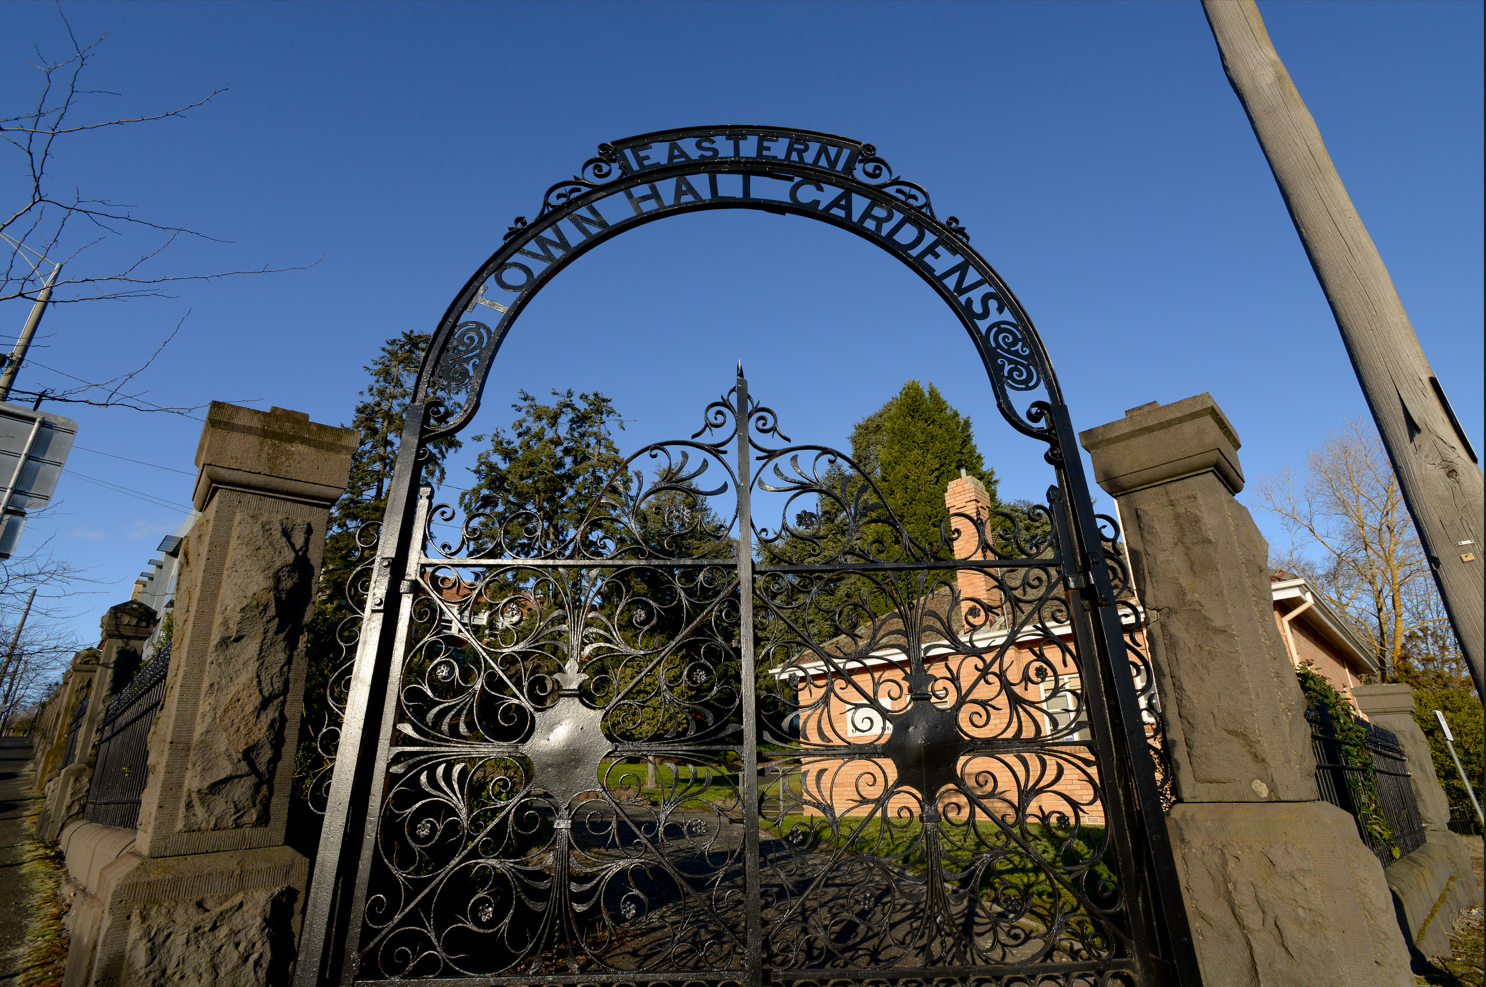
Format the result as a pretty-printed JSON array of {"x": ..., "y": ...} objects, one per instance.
[
  {"x": 551, "y": 466},
  {"x": 925, "y": 443},
  {"x": 378, "y": 417},
  {"x": 910, "y": 448}
]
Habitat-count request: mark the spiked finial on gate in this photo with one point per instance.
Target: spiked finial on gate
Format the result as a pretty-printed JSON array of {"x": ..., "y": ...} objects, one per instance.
[{"x": 740, "y": 368}]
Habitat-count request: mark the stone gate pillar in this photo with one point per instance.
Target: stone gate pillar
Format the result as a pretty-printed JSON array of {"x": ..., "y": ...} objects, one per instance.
[
  {"x": 1279, "y": 888},
  {"x": 77, "y": 682},
  {"x": 210, "y": 893},
  {"x": 124, "y": 629}
]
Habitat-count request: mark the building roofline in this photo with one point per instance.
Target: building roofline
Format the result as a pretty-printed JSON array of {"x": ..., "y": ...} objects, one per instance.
[{"x": 1331, "y": 626}]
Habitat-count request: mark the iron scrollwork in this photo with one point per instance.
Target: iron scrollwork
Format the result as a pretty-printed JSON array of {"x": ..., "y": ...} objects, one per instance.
[
  {"x": 679, "y": 171},
  {"x": 565, "y": 789},
  {"x": 668, "y": 744}
]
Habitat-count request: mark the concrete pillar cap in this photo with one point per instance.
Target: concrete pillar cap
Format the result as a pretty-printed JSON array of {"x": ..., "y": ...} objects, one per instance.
[
  {"x": 278, "y": 452},
  {"x": 1158, "y": 443},
  {"x": 1384, "y": 698},
  {"x": 132, "y": 621}
]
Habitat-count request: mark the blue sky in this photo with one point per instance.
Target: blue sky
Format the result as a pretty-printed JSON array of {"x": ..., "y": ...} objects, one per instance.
[{"x": 1095, "y": 151}]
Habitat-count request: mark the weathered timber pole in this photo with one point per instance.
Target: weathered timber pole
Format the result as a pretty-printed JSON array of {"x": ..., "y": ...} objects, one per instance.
[{"x": 1437, "y": 469}]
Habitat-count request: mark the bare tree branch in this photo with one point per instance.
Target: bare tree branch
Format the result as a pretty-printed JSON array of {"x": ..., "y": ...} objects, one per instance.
[
  {"x": 42, "y": 229},
  {"x": 112, "y": 398},
  {"x": 58, "y": 584},
  {"x": 1346, "y": 503},
  {"x": 119, "y": 382}
]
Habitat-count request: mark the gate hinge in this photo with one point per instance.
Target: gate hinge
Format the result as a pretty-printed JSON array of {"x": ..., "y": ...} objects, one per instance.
[{"x": 1075, "y": 580}]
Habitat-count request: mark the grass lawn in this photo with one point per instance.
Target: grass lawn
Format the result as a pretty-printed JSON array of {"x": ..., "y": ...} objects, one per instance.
[{"x": 981, "y": 855}]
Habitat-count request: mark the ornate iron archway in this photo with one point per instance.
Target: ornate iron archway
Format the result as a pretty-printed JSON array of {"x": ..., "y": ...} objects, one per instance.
[{"x": 672, "y": 744}]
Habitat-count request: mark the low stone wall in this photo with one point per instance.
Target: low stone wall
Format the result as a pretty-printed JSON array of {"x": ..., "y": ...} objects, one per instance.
[
  {"x": 1434, "y": 883},
  {"x": 124, "y": 628},
  {"x": 205, "y": 890},
  {"x": 1430, "y": 888},
  {"x": 77, "y": 683}
]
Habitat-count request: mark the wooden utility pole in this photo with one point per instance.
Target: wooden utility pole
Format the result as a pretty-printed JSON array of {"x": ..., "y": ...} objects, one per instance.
[
  {"x": 1437, "y": 469},
  {"x": 18, "y": 355}
]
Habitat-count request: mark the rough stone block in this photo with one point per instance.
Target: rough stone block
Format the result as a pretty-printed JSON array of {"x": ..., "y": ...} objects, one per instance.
[
  {"x": 225, "y": 919},
  {"x": 221, "y": 751},
  {"x": 66, "y": 796},
  {"x": 239, "y": 740},
  {"x": 1432, "y": 885},
  {"x": 1234, "y": 714},
  {"x": 228, "y": 940},
  {"x": 1285, "y": 895},
  {"x": 221, "y": 755}
]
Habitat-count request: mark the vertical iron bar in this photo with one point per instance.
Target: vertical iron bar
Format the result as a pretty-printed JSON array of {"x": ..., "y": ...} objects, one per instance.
[
  {"x": 1164, "y": 893},
  {"x": 325, "y": 915},
  {"x": 380, "y": 752},
  {"x": 1114, "y": 769},
  {"x": 753, "y": 954}
]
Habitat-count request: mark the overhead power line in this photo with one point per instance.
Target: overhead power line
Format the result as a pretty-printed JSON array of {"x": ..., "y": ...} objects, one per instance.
[
  {"x": 147, "y": 498},
  {"x": 100, "y": 452}
]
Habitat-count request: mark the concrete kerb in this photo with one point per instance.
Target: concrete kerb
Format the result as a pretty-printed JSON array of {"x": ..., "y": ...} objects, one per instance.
[{"x": 89, "y": 847}]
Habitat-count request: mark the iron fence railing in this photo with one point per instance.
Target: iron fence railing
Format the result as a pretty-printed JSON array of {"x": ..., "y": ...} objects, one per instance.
[
  {"x": 81, "y": 711},
  {"x": 1339, "y": 781},
  {"x": 1395, "y": 791},
  {"x": 122, "y": 769}
]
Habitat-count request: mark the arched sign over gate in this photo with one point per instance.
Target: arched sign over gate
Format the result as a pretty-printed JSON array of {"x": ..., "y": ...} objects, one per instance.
[{"x": 681, "y": 741}]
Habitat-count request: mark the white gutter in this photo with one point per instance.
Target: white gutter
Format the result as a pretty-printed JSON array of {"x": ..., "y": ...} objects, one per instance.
[
  {"x": 1310, "y": 601},
  {"x": 1329, "y": 623}
]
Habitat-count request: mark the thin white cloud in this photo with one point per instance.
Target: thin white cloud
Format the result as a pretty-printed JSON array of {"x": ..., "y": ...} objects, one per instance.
[{"x": 143, "y": 529}]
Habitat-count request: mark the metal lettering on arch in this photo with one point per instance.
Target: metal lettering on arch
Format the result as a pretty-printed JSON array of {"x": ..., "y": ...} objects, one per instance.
[{"x": 737, "y": 724}]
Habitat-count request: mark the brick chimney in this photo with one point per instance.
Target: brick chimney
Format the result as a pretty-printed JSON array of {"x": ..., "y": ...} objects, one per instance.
[{"x": 969, "y": 514}]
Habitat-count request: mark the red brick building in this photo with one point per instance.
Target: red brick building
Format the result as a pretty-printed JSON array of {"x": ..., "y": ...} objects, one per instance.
[
  {"x": 1035, "y": 695},
  {"x": 1029, "y": 692},
  {"x": 1315, "y": 634}
]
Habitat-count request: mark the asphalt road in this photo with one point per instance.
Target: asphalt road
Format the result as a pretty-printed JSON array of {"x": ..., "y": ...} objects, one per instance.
[{"x": 16, "y": 804}]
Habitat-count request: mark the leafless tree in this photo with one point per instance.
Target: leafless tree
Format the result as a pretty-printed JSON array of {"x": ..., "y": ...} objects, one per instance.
[
  {"x": 28, "y": 673},
  {"x": 47, "y": 228},
  {"x": 1352, "y": 537},
  {"x": 58, "y": 584}
]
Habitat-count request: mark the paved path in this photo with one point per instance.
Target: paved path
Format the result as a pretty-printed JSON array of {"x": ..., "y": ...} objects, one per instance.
[{"x": 16, "y": 804}]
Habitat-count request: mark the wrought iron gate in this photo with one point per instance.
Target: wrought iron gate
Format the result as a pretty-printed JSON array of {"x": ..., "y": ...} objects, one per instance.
[{"x": 737, "y": 724}]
